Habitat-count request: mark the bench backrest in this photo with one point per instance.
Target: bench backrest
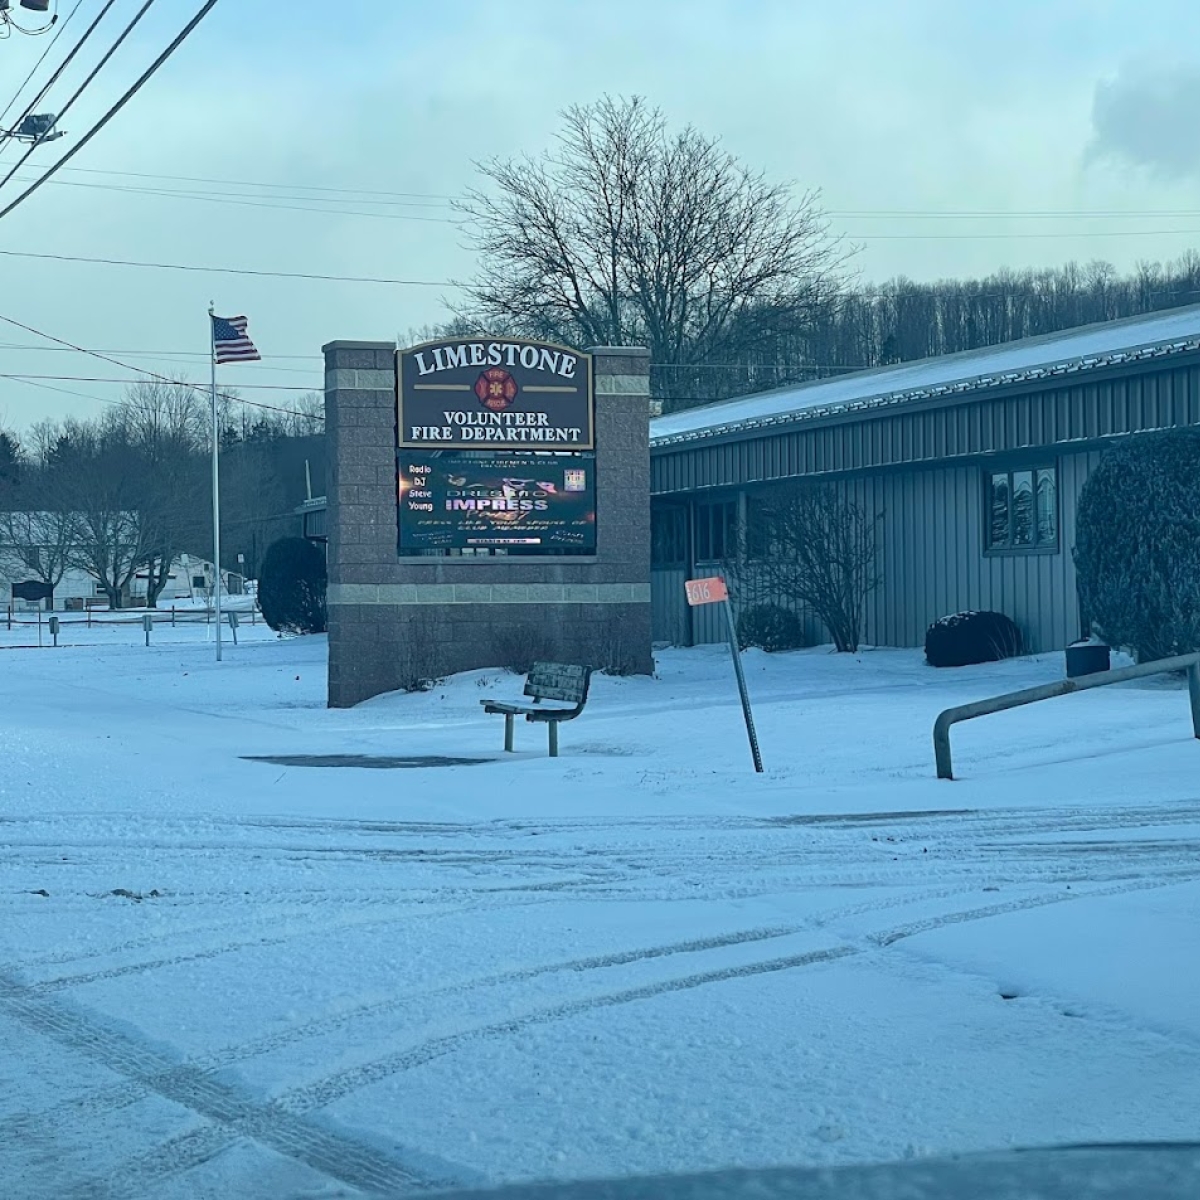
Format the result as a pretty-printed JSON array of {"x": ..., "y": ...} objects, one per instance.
[{"x": 558, "y": 681}]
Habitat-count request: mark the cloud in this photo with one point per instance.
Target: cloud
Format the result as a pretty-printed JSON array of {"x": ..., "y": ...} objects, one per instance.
[{"x": 1146, "y": 117}]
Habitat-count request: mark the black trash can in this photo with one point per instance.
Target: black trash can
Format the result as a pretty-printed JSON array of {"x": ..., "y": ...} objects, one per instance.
[{"x": 1086, "y": 658}]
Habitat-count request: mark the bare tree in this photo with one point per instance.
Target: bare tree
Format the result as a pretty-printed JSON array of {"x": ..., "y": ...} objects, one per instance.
[
  {"x": 37, "y": 541},
  {"x": 93, "y": 472},
  {"x": 813, "y": 547},
  {"x": 165, "y": 427},
  {"x": 626, "y": 233}
]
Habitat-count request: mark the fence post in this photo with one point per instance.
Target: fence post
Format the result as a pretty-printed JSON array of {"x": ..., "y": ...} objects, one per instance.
[
  {"x": 10, "y": 610},
  {"x": 54, "y": 629},
  {"x": 148, "y": 625},
  {"x": 172, "y": 616}
]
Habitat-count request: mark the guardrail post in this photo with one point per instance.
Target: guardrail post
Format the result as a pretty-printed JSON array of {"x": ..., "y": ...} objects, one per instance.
[
  {"x": 941, "y": 748},
  {"x": 148, "y": 625},
  {"x": 1194, "y": 696}
]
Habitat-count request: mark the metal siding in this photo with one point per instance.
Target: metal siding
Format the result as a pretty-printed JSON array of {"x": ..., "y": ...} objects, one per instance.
[
  {"x": 668, "y": 605},
  {"x": 1084, "y": 409}
]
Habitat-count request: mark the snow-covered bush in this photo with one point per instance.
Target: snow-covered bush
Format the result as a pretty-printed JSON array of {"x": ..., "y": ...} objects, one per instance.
[
  {"x": 971, "y": 637},
  {"x": 1137, "y": 545},
  {"x": 770, "y": 627},
  {"x": 291, "y": 586}
]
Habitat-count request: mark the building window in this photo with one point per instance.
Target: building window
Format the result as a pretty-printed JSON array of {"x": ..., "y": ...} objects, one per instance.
[
  {"x": 716, "y": 531},
  {"x": 668, "y": 536},
  {"x": 1023, "y": 510}
]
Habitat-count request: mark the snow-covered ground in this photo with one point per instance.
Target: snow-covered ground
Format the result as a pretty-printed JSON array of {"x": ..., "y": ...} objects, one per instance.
[{"x": 222, "y": 977}]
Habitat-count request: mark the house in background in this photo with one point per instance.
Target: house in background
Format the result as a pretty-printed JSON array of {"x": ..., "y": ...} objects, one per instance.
[
  {"x": 974, "y": 460},
  {"x": 190, "y": 580}
]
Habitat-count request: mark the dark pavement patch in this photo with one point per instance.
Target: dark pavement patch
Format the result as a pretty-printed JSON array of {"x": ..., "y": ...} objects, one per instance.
[{"x": 377, "y": 762}]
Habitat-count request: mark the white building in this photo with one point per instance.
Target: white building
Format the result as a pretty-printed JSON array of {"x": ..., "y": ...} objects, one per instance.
[{"x": 190, "y": 579}]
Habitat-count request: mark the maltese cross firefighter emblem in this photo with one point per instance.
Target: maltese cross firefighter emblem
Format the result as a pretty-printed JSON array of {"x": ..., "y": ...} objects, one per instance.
[{"x": 496, "y": 389}]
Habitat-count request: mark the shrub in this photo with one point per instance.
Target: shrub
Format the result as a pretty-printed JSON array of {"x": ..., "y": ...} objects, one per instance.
[
  {"x": 1137, "y": 545},
  {"x": 971, "y": 637},
  {"x": 770, "y": 627},
  {"x": 291, "y": 587}
]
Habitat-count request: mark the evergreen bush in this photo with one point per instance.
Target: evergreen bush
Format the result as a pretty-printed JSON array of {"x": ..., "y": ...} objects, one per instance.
[
  {"x": 964, "y": 638},
  {"x": 1137, "y": 545}
]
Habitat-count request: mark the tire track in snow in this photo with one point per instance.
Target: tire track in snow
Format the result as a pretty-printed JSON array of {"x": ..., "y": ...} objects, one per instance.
[
  {"x": 351, "y": 1079},
  {"x": 62, "y": 982},
  {"x": 333, "y": 1087},
  {"x": 108, "y": 1099},
  {"x": 269, "y": 1124},
  {"x": 900, "y": 932},
  {"x": 337, "y": 1156}
]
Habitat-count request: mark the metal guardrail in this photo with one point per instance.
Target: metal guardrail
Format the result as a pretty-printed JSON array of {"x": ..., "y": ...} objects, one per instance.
[{"x": 1065, "y": 687}]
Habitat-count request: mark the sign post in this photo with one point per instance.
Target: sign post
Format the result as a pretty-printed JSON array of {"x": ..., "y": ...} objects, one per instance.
[{"x": 713, "y": 591}]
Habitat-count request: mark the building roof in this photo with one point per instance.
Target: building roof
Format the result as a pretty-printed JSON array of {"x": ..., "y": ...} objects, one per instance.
[{"x": 1083, "y": 348}]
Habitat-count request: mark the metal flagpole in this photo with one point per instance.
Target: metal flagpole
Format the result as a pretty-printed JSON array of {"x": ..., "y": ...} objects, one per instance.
[{"x": 216, "y": 483}]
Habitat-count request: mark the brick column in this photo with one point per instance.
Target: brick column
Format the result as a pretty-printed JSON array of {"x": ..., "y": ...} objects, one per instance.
[{"x": 393, "y": 620}]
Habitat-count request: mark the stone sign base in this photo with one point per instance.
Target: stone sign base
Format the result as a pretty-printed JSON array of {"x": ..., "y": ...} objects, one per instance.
[{"x": 395, "y": 622}]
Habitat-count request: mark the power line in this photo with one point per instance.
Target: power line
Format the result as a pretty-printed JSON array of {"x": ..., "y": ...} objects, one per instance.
[
  {"x": 297, "y": 187},
  {"x": 62, "y": 66},
  {"x": 967, "y": 237},
  {"x": 204, "y": 354},
  {"x": 62, "y": 25},
  {"x": 247, "y": 201},
  {"x": 146, "y": 75},
  {"x": 49, "y": 387},
  {"x": 121, "y": 262},
  {"x": 256, "y": 387},
  {"x": 66, "y": 108},
  {"x": 152, "y": 374},
  {"x": 1018, "y": 214}
]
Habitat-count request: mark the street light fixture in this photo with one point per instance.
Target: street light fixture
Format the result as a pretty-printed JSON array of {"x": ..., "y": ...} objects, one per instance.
[
  {"x": 8, "y": 24},
  {"x": 34, "y": 128}
]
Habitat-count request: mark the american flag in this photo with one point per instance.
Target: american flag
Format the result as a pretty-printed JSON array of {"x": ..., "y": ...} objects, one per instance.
[{"x": 230, "y": 343}]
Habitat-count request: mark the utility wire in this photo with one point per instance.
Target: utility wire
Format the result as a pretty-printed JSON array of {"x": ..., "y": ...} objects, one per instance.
[
  {"x": 62, "y": 66},
  {"x": 257, "y": 387},
  {"x": 34, "y": 70},
  {"x": 121, "y": 262},
  {"x": 299, "y": 187},
  {"x": 250, "y": 201},
  {"x": 152, "y": 374},
  {"x": 66, "y": 108},
  {"x": 146, "y": 75}
]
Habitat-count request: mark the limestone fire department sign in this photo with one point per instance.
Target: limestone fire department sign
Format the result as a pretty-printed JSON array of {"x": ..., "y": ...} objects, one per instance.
[{"x": 494, "y": 394}]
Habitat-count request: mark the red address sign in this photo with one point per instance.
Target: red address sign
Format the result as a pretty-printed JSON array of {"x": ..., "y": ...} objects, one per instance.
[{"x": 706, "y": 591}]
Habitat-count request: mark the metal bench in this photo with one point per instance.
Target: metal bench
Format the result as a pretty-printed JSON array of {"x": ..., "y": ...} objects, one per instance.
[{"x": 547, "y": 681}]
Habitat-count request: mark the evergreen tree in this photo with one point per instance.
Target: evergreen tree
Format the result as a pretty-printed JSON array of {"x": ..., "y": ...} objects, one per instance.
[
  {"x": 1137, "y": 549},
  {"x": 292, "y": 585}
]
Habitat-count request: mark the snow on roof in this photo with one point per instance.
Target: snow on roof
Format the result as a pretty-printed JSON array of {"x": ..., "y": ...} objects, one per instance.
[{"x": 1030, "y": 358}]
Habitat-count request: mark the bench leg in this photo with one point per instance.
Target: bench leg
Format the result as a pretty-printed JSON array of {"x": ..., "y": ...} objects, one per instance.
[
  {"x": 508, "y": 733},
  {"x": 553, "y": 727}
]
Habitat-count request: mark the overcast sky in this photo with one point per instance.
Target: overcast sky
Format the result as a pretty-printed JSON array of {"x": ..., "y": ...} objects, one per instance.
[{"x": 926, "y": 106}]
